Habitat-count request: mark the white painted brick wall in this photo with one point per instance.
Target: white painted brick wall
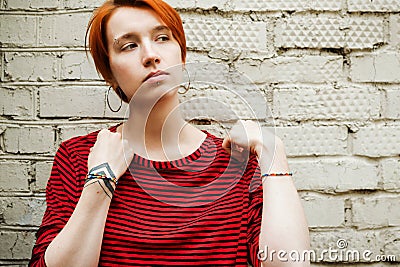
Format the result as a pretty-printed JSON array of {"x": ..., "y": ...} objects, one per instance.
[
  {"x": 378, "y": 67},
  {"x": 330, "y": 211},
  {"x": 375, "y": 5},
  {"x": 22, "y": 210},
  {"x": 328, "y": 70},
  {"x": 303, "y": 69},
  {"x": 377, "y": 141},
  {"x": 17, "y": 30},
  {"x": 336, "y": 175},
  {"x": 307, "y": 141},
  {"x": 27, "y": 66},
  {"x": 391, "y": 174},
  {"x": 29, "y": 139},
  {"x": 14, "y": 175},
  {"x": 376, "y": 212},
  {"x": 17, "y": 102},
  {"x": 327, "y": 102},
  {"x": 63, "y": 30}
]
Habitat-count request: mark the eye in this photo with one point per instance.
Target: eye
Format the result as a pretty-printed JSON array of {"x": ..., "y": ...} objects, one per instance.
[
  {"x": 162, "y": 38},
  {"x": 129, "y": 46}
]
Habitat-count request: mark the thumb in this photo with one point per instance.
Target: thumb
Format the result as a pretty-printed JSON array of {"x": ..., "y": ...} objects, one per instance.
[{"x": 226, "y": 144}]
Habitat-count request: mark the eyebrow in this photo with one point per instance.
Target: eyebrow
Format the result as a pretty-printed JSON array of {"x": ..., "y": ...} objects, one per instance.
[{"x": 133, "y": 35}]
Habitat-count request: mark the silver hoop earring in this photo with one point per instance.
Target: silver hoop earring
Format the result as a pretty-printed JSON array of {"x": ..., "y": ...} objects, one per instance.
[
  {"x": 108, "y": 102},
  {"x": 187, "y": 86}
]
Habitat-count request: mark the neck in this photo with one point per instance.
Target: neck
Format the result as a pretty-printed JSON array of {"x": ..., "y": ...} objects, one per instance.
[{"x": 156, "y": 128}]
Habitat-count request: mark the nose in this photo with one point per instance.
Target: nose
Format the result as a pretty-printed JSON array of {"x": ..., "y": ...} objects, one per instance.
[{"x": 150, "y": 56}]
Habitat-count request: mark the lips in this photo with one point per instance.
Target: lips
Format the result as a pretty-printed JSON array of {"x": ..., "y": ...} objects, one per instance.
[{"x": 154, "y": 74}]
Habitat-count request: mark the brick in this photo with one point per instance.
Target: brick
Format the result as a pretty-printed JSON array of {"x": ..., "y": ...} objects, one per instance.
[
  {"x": 307, "y": 69},
  {"x": 22, "y": 211},
  {"x": 42, "y": 174},
  {"x": 29, "y": 139},
  {"x": 327, "y": 102},
  {"x": 391, "y": 174},
  {"x": 330, "y": 32},
  {"x": 23, "y": 66},
  {"x": 394, "y": 25},
  {"x": 391, "y": 244},
  {"x": 63, "y": 30},
  {"x": 392, "y": 107},
  {"x": 78, "y": 66},
  {"x": 376, "y": 212},
  {"x": 377, "y": 141},
  {"x": 334, "y": 175},
  {"x": 182, "y": 4},
  {"x": 379, "y": 67},
  {"x": 16, "y": 245},
  {"x": 376, "y": 5},
  {"x": 14, "y": 175},
  {"x": 206, "y": 34},
  {"x": 67, "y": 132},
  {"x": 310, "y": 140},
  {"x": 32, "y": 4},
  {"x": 75, "y": 4},
  {"x": 323, "y": 212},
  {"x": 72, "y": 102},
  {"x": 17, "y": 30},
  {"x": 356, "y": 241},
  {"x": 16, "y": 102},
  {"x": 281, "y": 5},
  {"x": 210, "y": 4},
  {"x": 223, "y": 104}
]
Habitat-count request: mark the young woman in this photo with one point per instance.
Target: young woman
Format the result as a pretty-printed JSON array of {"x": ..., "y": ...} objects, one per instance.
[{"x": 155, "y": 190}]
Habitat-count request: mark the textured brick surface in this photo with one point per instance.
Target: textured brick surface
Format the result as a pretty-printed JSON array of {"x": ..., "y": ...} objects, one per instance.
[
  {"x": 31, "y": 66},
  {"x": 29, "y": 139},
  {"x": 17, "y": 102},
  {"x": 392, "y": 107},
  {"x": 42, "y": 174},
  {"x": 14, "y": 175},
  {"x": 16, "y": 245},
  {"x": 63, "y": 30},
  {"x": 304, "y": 69},
  {"x": 223, "y": 105},
  {"x": 335, "y": 175},
  {"x": 377, "y": 212},
  {"x": 17, "y": 30},
  {"x": 332, "y": 32},
  {"x": 382, "y": 67},
  {"x": 76, "y": 66},
  {"x": 391, "y": 174},
  {"x": 327, "y": 103},
  {"x": 323, "y": 212},
  {"x": 314, "y": 140},
  {"x": 22, "y": 210},
  {"x": 265, "y": 5},
  {"x": 375, "y": 5},
  {"x": 394, "y": 24},
  {"x": 32, "y": 4},
  {"x": 75, "y": 102},
  {"x": 225, "y": 34},
  {"x": 377, "y": 141}
]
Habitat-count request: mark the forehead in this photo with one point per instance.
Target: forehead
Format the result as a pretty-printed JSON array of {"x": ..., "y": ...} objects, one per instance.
[{"x": 131, "y": 19}]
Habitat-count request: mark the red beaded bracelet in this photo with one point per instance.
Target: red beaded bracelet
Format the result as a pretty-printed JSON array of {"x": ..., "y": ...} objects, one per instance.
[{"x": 277, "y": 174}]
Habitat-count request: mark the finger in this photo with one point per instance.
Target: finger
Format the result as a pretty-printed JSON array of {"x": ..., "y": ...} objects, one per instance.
[{"x": 226, "y": 144}]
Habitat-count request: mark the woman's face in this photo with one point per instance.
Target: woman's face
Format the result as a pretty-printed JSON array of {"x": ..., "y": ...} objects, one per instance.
[{"x": 140, "y": 48}]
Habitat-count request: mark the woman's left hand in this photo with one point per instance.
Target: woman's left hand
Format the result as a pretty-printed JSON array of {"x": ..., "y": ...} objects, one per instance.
[
  {"x": 247, "y": 136},
  {"x": 244, "y": 136}
]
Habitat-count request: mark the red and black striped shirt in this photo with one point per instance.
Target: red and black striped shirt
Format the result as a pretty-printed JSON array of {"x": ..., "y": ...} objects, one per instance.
[{"x": 204, "y": 209}]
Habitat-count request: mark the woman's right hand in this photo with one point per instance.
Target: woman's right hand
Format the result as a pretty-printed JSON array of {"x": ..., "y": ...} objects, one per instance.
[{"x": 112, "y": 149}]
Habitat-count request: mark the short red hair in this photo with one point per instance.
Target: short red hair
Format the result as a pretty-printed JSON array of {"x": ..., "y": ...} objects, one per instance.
[{"x": 96, "y": 32}]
